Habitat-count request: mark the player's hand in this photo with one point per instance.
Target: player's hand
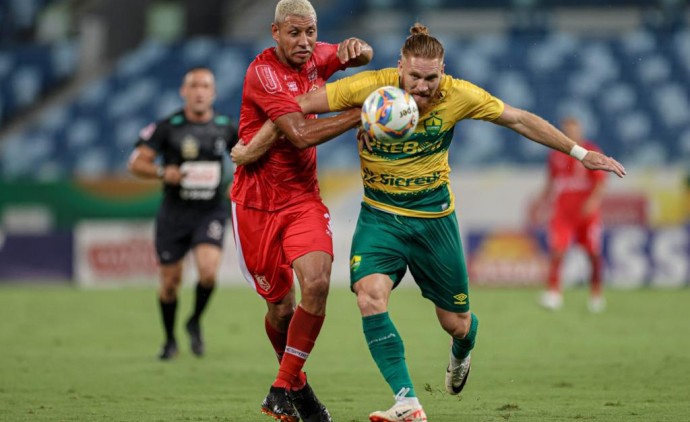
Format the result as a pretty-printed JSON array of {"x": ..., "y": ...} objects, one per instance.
[
  {"x": 596, "y": 161},
  {"x": 173, "y": 175},
  {"x": 363, "y": 140},
  {"x": 350, "y": 49},
  {"x": 240, "y": 154}
]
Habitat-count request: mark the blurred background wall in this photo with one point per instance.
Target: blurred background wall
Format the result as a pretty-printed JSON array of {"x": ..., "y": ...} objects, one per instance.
[{"x": 80, "y": 78}]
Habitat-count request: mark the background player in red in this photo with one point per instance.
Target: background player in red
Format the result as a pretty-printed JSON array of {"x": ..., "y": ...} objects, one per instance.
[
  {"x": 279, "y": 221},
  {"x": 575, "y": 195}
]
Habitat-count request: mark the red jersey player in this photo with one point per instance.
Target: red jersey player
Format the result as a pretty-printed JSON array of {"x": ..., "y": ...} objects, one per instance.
[
  {"x": 279, "y": 221},
  {"x": 576, "y": 217}
]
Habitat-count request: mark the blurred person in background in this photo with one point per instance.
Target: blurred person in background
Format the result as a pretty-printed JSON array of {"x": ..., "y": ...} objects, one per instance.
[
  {"x": 574, "y": 196},
  {"x": 280, "y": 223},
  {"x": 191, "y": 144},
  {"x": 414, "y": 225}
]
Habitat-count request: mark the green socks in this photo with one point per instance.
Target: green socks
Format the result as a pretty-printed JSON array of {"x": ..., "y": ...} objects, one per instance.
[
  {"x": 463, "y": 347},
  {"x": 388, "y": 351}
]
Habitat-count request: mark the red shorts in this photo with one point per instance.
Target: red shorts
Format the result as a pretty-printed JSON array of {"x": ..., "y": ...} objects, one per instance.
[
  {"x": 269, "y": 241},
  {"x": 584, "y": 231}
]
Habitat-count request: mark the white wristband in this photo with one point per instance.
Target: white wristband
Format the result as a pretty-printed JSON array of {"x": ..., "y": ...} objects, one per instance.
[{"x": 578, "y": 152}]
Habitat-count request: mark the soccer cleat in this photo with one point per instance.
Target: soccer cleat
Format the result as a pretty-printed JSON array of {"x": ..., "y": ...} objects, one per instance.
[
  {"x": 169, "y": 350},
  {"x": 195, "y": 341},
  {"x": 596, "y": 304},
  {"x": 308, "y": 405},
  {"x": 400, "y": 412},
  {"x": 456, "y": 375},
  {"x": 277, "y": 404},
  {"x": 551, "y": 300}
]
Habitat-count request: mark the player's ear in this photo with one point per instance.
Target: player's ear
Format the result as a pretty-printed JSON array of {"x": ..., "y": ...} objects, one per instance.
[{"x": 275, "y": 30}]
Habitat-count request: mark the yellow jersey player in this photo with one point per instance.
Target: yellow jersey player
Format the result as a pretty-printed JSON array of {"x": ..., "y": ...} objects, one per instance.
[{"x": 407, "y": 219}]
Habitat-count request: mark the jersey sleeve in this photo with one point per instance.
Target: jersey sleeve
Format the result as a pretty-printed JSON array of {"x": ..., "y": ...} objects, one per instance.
[
  {"x": 327, "y": 61},
  {"x": 351, "y": 91},
  {"x": 472, "y": 102},
  {"x": 268, "y": 91},
  {"x": 153, "y": 136}
]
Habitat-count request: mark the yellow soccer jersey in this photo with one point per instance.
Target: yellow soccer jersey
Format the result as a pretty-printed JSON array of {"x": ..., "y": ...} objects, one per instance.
[{"x": 411, "y": 178}]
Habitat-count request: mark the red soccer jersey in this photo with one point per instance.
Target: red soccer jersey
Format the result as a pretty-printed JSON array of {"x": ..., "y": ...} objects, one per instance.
[
  {"x": 572, "y": 182},
  {"x": 286, "y": 174}
]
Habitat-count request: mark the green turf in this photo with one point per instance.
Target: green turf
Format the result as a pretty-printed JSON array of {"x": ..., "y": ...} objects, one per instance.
[{"x": 88, "y": 355}]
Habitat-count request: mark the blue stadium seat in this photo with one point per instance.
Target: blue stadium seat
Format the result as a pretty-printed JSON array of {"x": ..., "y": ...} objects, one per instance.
[
  {"x": 672, "y": 105},
  {"x": 81, "y": 133},
  {"x": 92, "y": 162},
  {"x": 64, "y": 59},
  {"x": 631, "y": 91},
  {"x": 26, "y": 85},
  {"x": 618, "y": 97},
  {"x": 28, "y": 73}
]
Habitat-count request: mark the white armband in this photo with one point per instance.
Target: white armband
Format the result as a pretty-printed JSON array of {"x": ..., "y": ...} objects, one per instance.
[{"x": 578, "y": 152}]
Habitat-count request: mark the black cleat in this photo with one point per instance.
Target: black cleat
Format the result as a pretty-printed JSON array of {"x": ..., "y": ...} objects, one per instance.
[
  {"x": 308, "y": 405},
  {"x": 169, "y": 350},
  {"x": 277, "y": 405},
  {"x": 196, "y": 343}
]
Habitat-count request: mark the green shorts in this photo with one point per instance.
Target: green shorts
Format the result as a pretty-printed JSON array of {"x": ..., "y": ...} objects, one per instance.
[{"x": 431, "y": 248}]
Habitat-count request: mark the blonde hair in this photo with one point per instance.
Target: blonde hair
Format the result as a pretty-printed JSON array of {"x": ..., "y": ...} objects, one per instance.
[
  {"x": 293, "y": 7},
  {"x": 421, "y": 44}
]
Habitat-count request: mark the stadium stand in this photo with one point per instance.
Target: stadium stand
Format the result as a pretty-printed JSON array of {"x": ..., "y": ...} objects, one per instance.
[
  {"x": 29, "y": 70},
  {"x": 631, "y": 89}
]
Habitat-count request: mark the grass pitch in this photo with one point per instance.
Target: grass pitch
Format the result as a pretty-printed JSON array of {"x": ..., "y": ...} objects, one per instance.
[{"x": 89, "y": 355}]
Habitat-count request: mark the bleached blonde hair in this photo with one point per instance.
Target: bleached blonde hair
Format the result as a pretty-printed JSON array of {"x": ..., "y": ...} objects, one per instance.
[{"x": 293, "y": 7}]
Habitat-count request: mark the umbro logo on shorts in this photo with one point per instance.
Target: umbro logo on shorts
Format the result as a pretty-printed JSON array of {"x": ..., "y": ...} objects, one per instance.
[{"x": 460, "y": 299}]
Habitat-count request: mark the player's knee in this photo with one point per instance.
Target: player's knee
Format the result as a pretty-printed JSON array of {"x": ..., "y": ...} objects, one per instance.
[
  {"x": 370, "y": 303},
  {"x": 280, "y": 318},
  {"x": 207, "y": 270},
  {"x": 315, "y": 287},
  {"x": 171, "y": 281},
  {"x": 557, "y": 254},
  {"x": 168, "y": 293},
  {"x": 207, "y": 278},
  {"x": 459, "y": 326}
]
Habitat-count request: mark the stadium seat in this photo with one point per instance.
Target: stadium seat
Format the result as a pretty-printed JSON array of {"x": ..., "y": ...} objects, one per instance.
[
  {"x": 28, "y": 73},
  {"x": 629, "y": 89}
]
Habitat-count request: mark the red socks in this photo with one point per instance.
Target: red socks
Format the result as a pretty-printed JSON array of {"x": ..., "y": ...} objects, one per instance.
[
  {"x": 302, "y": 333},
  {"x": 554, "y": 274},
  {"x": 596, "y": 275},
  {"x": 278, "y": 339},
  {"x": 555, "y": 268}
]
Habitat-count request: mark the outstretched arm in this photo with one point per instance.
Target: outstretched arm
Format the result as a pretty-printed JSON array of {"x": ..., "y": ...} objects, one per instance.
[{"x": 539, "y": 130}]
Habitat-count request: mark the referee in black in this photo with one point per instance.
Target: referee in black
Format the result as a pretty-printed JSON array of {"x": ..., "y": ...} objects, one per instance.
[{"x": 186, "y": 151}]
